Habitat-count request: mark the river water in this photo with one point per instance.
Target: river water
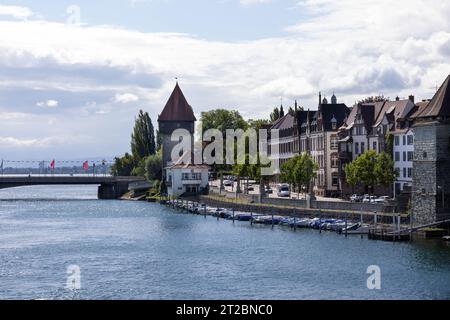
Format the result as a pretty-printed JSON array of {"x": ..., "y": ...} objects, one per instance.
[{"x": 135, "y": 250}]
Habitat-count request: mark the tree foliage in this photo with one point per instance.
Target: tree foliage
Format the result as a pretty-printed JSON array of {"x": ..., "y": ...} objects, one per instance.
[
  {"x": 123, "y": 166},
  {"x": 153, "y": 167},
  {"x": 373, "y": 99},
  {"x": 371, "y": 169},
  {"x": 222, "y": 120},
  {"x": 143, "y": 143},
  {"x": 299, "y": 171}
]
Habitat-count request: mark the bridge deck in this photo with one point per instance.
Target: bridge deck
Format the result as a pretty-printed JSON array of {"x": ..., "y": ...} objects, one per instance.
[{"x": 7, "y": 182}]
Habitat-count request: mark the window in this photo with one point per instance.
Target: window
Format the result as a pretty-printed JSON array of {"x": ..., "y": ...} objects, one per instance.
[
  {"x": 334, "y": 160},
  {"x": 335, "y": 179},
  {"x": 397, "y": 140},
  {"x": 375, "y": 146},
  {"x": 404, "y": 140},
  {"x": 362, "y": 147},
  {"x": 404, "y": 172},
  {"x": 397, "y": 156},
  {"x": 356, "y": 148},
  {"x": 425, "y": 155},
  {"x": 409, "y": 172},
  {"x": 410, "y": 156},
  {"x": 334, "y": 142},
  {"x": 334, "y": 125},
  {"x": 185, "y": 176},
  {"x": 410, "y": 140},
  {"x": 404, "y": 155}
]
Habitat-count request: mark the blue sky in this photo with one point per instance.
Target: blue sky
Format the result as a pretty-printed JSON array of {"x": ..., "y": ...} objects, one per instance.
[
  {"x": 70, "y": 88},
  {"x": 227, "y": 20}
]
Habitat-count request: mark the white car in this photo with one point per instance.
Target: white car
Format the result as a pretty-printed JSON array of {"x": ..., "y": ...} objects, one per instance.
[
  {"x": 370, "y": 199},
  {"x": 283, "y": 191},
  {"x": 228, "y": 183}
]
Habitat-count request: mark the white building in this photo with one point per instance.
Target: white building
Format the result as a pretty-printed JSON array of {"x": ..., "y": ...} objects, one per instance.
[
  {"x": 186, "y": 179},
  {"x": 403, "y": 158}
]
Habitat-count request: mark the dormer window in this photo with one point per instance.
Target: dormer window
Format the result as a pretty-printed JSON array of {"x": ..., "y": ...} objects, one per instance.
[{"x": 334, "y": 123}]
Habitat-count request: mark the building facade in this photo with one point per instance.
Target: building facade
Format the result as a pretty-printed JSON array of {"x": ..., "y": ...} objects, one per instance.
[
  {"x": 382, "y": 126},
  {"x": 316, "y": 133}
]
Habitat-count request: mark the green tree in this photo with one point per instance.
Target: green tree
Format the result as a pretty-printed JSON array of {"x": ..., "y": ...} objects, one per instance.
[
  {"x": 123, "y": 166},
  {"x": 351, "y": 175},
  {"x": 138, "y": 168},
  {"x": 299, "y": 171},
  {"x": 390, "y": 144},
  {"x": 258, "y": 124},
  {"x": 275, "y": 115},
  {"x": 153, "y": 167},
  {"x": 222, "y": 120},
  {"x": 362, "y": 170},
  {"x": 371, "y": 169},
  {"x": 143, "y": 143},
  {"x": 384, "y": 170}
]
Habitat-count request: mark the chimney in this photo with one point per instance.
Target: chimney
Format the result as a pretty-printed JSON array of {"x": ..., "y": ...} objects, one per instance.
[{"x": 411, "y": 98}]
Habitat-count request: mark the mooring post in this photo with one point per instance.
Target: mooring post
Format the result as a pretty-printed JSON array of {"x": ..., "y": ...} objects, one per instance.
[
  {"x": 272, "y": 221},
  {"x": 375, "y": 221},
  {"x": 233, "y": 214},
  {"x": 205, "y": 211},
  {"x": 251, "y": 218}
]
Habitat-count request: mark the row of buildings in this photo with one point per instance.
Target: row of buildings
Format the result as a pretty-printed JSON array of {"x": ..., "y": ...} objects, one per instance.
[
  {"x": 416, "y": 134},
  {"x": 335, "y": 135}
]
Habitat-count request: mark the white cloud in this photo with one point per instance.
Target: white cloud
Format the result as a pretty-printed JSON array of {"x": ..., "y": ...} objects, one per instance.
[
  {"x": 49, "y": 103},
  {"x": 15, "y": 12},
  {"x": 125, "y": 98},
  {"x": 352, "y": 48}
]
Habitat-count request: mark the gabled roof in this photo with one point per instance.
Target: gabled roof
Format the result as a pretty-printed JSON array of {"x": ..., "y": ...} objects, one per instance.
[
  {"x": 394, "y": 110},
  {"x": 439, "y": 106},
  {"x": 177, "y": 108},
  {"x": 286, "y": 122}
]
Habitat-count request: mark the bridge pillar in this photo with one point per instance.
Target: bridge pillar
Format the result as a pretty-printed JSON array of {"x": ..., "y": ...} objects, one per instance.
[{"x": 112, "y": 191}]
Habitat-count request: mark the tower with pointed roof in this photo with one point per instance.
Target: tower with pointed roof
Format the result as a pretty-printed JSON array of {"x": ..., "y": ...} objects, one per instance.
[
  {"x": 177, "y": 114},
  {"x": 431, "y": 165}
]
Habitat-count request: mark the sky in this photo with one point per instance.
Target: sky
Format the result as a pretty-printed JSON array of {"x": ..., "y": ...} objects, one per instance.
[{"x": 74, "y": 74}]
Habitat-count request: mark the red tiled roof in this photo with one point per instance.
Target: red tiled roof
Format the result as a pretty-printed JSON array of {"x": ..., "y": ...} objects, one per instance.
[{"x": 177, "y": 108}]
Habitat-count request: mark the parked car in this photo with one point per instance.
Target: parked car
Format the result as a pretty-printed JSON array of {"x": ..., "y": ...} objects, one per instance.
[
  {"x": 283, "y": 191},
  {"x": 268, "y": 190},
  {"x": 228, "y": 183},
  {"x": 369, "y": 199},
  {"x": 356, "y": 198},
  {"x": 382, "y": 199}
]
